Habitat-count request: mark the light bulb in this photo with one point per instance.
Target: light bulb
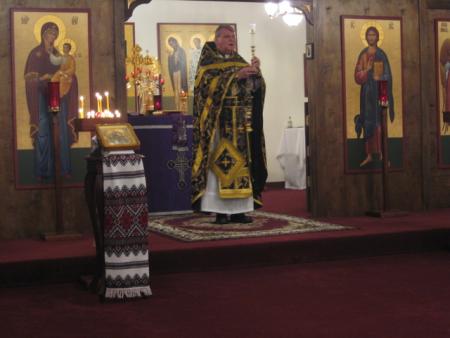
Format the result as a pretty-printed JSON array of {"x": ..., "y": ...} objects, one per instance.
[
  {"x": 271, "y": 9},
  {"x": 285, "y": 7},
  {"x": 293, "y": 18}
]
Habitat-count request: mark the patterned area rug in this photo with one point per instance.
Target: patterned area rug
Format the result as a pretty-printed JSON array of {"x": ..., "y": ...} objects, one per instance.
[{"x": 200, "y": 227}]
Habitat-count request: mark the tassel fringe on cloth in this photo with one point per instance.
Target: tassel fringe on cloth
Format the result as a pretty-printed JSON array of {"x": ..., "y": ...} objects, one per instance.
[{"x": 127, "y": 273}]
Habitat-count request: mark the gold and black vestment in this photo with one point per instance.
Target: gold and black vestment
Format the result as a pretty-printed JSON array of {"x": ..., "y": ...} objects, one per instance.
[{"x": 228, "y": 128}]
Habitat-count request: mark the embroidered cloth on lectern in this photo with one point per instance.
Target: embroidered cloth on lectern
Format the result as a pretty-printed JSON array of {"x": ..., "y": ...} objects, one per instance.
[{"x": 125, "y": 234}]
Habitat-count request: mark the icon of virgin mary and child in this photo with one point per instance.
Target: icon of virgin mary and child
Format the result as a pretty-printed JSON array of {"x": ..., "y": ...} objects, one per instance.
[{"x": 45, "y": 63}]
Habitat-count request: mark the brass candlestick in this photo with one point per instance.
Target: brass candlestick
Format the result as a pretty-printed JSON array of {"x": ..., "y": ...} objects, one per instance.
[
  {"x": 183, "y": 102},
  {"x": 145, "y": 77},
  {"x": 248, "y": 121},
  {"x": 252, "y": 38}
]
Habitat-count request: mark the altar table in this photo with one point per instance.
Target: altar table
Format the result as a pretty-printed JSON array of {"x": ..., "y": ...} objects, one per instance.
[
  {"x": 292, "y": 158},
  {"x": 166, "y": 143}
]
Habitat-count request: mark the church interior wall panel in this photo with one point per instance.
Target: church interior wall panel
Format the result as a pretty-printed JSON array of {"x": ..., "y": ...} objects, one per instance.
[
  {"x": 327, "y": 115},
  {"x": 27, "y": 213},
  {"x": 437, "y": 186},
  {"x": 338, "y": 193},
  {"x": 428, "y": 107}
]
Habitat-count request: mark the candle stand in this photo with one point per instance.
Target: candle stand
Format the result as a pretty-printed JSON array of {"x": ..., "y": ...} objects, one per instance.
[
  {"x": 385, "y": 206},
  {"x": 54, "y": 109}
]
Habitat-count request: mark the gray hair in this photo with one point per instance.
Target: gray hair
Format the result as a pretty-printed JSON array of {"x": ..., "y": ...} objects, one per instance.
[{"x": 221, "y": 28}]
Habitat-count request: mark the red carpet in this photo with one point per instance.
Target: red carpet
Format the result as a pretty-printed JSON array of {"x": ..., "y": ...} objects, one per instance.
[
  {"x": 285, "y": 201},
  {"x": 35, "y": 261},
  {"x": 402, "y": 296},
  {"x": 386, "y": 296}
]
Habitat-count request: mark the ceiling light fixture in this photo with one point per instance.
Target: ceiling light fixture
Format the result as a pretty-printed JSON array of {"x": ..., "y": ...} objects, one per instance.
[{"x": 291, "y": 15}]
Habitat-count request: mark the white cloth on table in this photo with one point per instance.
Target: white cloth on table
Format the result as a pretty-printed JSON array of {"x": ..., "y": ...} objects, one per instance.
[{"x": 292, "y": 157}]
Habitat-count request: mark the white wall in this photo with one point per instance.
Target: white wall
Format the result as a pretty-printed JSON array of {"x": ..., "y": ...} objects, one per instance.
[{"x": 279, "y": 47}]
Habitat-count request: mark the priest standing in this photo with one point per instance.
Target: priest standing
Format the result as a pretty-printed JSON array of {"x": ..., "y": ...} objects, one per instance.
[{"x": 229, "y": 164}]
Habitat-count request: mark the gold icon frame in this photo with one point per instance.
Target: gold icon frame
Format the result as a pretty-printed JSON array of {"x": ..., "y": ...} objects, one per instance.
[{"x": 118, "y": 136}]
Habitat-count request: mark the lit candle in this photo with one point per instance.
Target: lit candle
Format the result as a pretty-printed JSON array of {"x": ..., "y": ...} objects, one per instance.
[
  {"x": 99, "y": 97},
  {"x": 252, "y": 38},
  {"x": 82, "y": 102},
  {"x": 53, "y": 96},
  {"x": 157, "y": 102},
  {"x": 183, "y": 101},
  {"x": 117, "y": 113},
  {"x": 81, "y": 109},
  {"x": 107, "y": 100},
  {"x": 101, "y": 103},
  {"x": 382, "y": 93}
]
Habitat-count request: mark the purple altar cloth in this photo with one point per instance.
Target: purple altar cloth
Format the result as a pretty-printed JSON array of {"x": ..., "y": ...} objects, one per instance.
[{"x": 166, "y": 143}]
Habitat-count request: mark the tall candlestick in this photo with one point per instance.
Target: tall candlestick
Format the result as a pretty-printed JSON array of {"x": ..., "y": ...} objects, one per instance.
[
  {"x": 183, "y": 101},
  {"x": 252, "y": 38},
  {"x": 97, "y": 95},
  {"x": 107, "y": 100},
  {"x": 81, "y": 108}
]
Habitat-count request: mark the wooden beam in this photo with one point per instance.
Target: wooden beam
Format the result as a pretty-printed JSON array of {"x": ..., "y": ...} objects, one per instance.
[
  {"x": 438, "y": 4},
  {"x": 304, "y": 5},
  {"x": 130, "y": 5},
  {"x": 119, "y": 57}
]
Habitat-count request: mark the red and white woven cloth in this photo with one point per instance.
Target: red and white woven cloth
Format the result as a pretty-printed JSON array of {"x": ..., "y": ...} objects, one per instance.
[{"x": 127, "y": 273}]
